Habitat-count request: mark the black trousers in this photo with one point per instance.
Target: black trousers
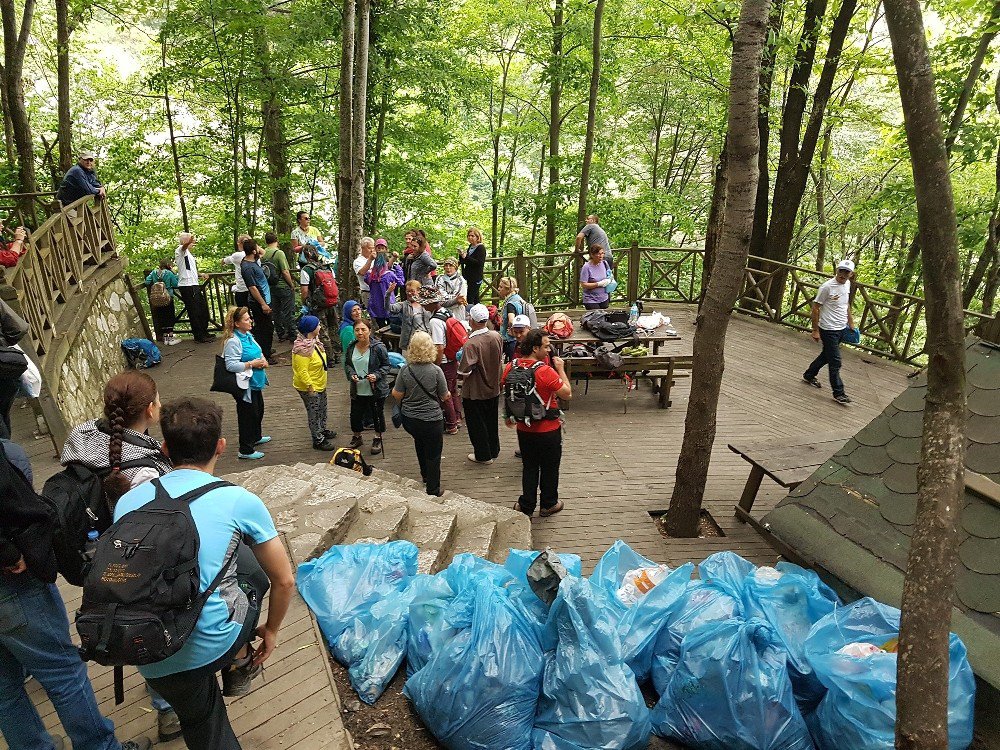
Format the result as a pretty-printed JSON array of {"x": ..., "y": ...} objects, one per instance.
[
  {"x": 541, "y": 453},
  {"x": 197, "y": 310},
  {"x": 263, "y": 327},
  {"x": 195, "y": 695},
  {"x": 241, "y": 298},
  {"x": 366, "y": 408},
  {"x": 8, "y": 390},
  {"x": 163, "y": 320},
  {"x": 249, "y": 417},
  {"x": 473, "y": 295},
  {"x": 428, "y": 440},
  {"x": 482, "y": 421}
]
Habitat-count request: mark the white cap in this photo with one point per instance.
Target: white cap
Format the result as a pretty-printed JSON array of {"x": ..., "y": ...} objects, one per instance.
[
  {"x": 521, "y": 321},
  {"x": 847, "y": 265},
  {"x": 479, "y": 314}
]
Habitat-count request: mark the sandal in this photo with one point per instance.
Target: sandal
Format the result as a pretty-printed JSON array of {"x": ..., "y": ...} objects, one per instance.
[
  {"x": 545, "y": 512},
  {"x": 517, "y": 507}
]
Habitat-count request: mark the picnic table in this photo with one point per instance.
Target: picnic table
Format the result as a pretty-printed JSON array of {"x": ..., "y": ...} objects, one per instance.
[
  {"x": 789, "y": 463},
  {"x": 663, "y": 337}
]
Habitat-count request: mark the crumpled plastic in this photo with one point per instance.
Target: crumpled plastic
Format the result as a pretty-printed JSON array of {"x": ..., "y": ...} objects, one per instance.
[
  {"x": 357, "y": 595},
  {"x": 859, "y": 709},
  {"x": 428, "y": 629},
  {"x": 480, "y": 689},
  {"x": 730, "y": 691},
  {"x": 518, "y": 561},
  {"x": 590, "y": 698}
]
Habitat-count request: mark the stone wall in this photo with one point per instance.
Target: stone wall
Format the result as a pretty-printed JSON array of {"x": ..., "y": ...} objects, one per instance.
[{"x": 96, "y": 353}]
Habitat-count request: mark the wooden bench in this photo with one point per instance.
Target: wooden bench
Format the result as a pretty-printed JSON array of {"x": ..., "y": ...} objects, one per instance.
[
  {"x": 662, "y": 370},
  {"x": 787, "y": 463}
]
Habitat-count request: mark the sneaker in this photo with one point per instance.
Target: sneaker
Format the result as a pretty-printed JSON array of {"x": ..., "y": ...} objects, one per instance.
[
  {"x": 356, "y": 442},
  {"x": 265, "y": 439},
  {"x": 168, "y": 726},
  {"x": 250, "y": 456},
  {"x": 171, "y": 340},
  {"x": 812, "y": 381},
  {"x": 451, "y": 430},
  {"x": 843, "y": 398},
  {"x": 517, "y": 453},
  {"x": 329, "y": 434},
  {"x": 472, "y": 457},
  {"x": 236, "y": 679},
  {"x": 206, "y": 339},
  {"x": 376, "y": 446},
  {"x": 139, "y": 743},
  {"x": 325, "y": 445}
]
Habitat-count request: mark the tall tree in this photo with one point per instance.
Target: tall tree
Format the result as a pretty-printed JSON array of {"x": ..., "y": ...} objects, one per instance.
[
  {"x": 588, "y": 150},
  {"x": 275, "y": 142},
  {"x": 64, "y": 31},
  {"x": 743, "y": 143},
  {"x": 555, "y": 73},
  {"x": 345, "y": 170},
  {"x": 767, "y": 67},
  {"x": 359, "y": 133},
  {"x": 175, "y": 156},
  {"x": 15, "y": 45}
]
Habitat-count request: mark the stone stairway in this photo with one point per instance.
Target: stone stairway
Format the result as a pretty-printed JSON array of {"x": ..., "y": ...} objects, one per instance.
[{"x": 320, "y": 505}]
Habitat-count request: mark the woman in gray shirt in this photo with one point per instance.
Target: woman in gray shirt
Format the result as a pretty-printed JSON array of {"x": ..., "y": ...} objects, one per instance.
[{"x": 421, "y": 389}]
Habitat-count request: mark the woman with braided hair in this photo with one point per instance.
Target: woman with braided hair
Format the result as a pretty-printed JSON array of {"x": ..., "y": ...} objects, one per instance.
[{"x": 118, "y": 449}]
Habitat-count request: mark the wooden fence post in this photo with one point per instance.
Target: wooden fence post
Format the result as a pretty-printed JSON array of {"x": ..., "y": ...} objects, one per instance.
[
  {"x": 989, "y": 330},
  {"x": 633, "y": 272},
  {"x": 520, "y": 273}
]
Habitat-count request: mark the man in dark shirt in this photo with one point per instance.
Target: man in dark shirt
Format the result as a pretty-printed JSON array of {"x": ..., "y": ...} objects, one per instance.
[
  {"x": 80, "y": 181},
  {"x": 259, "y": 300}
]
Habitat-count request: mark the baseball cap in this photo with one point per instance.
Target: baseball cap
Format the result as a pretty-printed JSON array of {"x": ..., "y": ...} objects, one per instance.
[
  {"x": 479, "y": 314},
  {"x": 381, "y": 242},
  {"x": 847, "y": 265},
  {"x": 521, "y": 321},
  {"x": 87, "y": 155}
]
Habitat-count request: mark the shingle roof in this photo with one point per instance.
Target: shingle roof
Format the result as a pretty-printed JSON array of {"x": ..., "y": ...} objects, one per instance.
[{"x": 867, "y": 492}]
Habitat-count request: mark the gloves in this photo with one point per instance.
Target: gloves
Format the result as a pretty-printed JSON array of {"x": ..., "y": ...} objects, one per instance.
[{"x": 603, "y": 283}]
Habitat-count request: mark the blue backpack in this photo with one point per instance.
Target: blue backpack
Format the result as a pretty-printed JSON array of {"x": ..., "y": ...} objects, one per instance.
[{"x": 140, "y": 353}]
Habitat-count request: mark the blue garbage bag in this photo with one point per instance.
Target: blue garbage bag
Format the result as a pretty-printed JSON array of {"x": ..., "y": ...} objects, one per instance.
[
  {"x": 614, "y": 564},
  {"x": 466, "y": 569},
  {"x": 859, "y": 709},
  {"x": 428, "y": 628},
  {"x": 727, "y": 571},
  {"x": 481, "y": 689},
  {"x": 519, "y": 560},
  {"x": 730, "y": 691},
  {"x": 356, "y": 592},
  {"x": 590, "y": 698},
  {"x": 140, "y": 353},
  {"x": 699, "y": 604},
  {"x": 642, "y": 623},
  {"x": 792, "y": 599}
]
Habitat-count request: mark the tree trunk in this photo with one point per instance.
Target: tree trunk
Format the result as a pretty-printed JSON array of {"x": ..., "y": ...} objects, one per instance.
[
  {"x": 538, "y": 194},
  {"x": 762, "y": 203},
  {"x": 359, "y": 136},
  {"x": 170, "y": 132},
  {"x": 922, "y": 672},
  {"x": 276, "y": 147},
  {"x": 555, "y": 124},
  {"x": 990, "y": 29},
  {"x": 377, "y": 158},
  {"x": 716, "y": 216},
  {"x": 345, "y": 169},
  {"x": 727, "y": 275},
  {"x": 989, "y": 255},
  {"x": 588, "y": 151},
  {"x": 65, "y": 129},
  {"x": 824, "y": 156},
  {"x": 15, "y": 44},
  {"x": 8, "y": 129}
]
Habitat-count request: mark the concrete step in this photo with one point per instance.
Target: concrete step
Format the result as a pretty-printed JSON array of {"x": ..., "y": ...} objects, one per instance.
[
  {"x": 433, "y": 534},
  {"x": 512, "y": 533},
  {"x": 379, "y": 527},
  {"x": 476, "y": 539}
]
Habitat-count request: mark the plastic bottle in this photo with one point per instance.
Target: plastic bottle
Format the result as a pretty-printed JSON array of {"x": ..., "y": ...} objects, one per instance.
[
  {"x": 91, "y": 546},
  {"x": 633, "y": 314}
]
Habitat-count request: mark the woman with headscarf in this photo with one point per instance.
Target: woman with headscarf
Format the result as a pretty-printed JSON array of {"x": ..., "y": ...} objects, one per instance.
[
  {"x": 352, "y": 314},
  {"x": 379, "y": 277}
]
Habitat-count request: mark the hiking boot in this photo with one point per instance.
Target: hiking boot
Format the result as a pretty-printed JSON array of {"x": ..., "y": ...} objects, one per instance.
[
  {"x": 812, "y": 381},
  {"x": 325, "y": 445},
  {"x": 356, "y": 442},
  {"x": 376, "y": 446},
  {"x": 139, "y": 743},
  {"x": 236, "y": 679},
  {"x": 255, "y": 456},
  {"x": 168, "y": 726},
  {"x": 329, "y": 434},
  {"x": 843, "y": 399}
]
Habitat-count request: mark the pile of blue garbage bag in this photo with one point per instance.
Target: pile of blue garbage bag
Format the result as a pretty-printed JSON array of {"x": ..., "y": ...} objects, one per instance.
[{"x": 531, "y": 655}]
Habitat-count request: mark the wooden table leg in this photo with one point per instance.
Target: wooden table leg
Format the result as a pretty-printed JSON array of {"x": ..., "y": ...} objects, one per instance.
[{"x": 749, "y": 493}]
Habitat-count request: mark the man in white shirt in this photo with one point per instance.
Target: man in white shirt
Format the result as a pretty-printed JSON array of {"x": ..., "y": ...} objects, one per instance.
[
  {"x": 189, "y": 286},
  {"x": 831, "y": 320},
  {"x": 363, "y": 264},
  {"x": 239, "y": 285}
]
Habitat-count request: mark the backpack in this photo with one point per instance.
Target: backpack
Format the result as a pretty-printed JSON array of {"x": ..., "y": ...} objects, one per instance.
[
  {"x": 455, "y": 334},
  {"x": 270, "y": 270},
  {"x": 141, "y": 591},
  {"x": 76, "y": 498},
  {"x": 607, "y": 328},
  {"x": 27, "y": 520},
  {"x": 351, "y": 458},
  {"x": 158, "y": 294},
  {"x": 559, "y": 325},
  {"x": 323, "y": 291},
  {"x": 528, "y": 309},
  {"x": 140, "y": 353},
  {"x": 521, "y": 401}
]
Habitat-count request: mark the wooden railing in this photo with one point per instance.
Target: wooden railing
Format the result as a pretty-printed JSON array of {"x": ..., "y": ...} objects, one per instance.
[
  {"x": 892, "y": 324},
  {"x": 27, "y": 209}
]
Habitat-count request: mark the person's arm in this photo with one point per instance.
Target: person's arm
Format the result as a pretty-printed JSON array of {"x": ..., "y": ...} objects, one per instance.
[
  {"x": 232, "y": 352},
  {"x": 399, "y": 389},
  {"x": 394, "y": 307},
  {"x": 352, "y": 374},
  {"x": 255, "y": 293},
  {"x": 580, "y": 238},
  {"x": 288, "y": 278},
  {"x": 565, "y": 392},
  {"x": 384, "y": 368},
  {"x": 850, "y": 299},
  {"x": 273, "y": 560},
  {"x": 584, "y": 275},
  {"x": 367, "y": 266},
  {"x": 815, "y": 321}
]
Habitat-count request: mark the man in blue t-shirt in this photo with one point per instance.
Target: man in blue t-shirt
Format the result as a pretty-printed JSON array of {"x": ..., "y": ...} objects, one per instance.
[
  {"x": 228, "y": 519},
  {"x": 259, "y": 300}
]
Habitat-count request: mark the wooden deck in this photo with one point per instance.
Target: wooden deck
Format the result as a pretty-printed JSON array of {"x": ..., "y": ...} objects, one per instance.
[{"x": 616, "y": 469}]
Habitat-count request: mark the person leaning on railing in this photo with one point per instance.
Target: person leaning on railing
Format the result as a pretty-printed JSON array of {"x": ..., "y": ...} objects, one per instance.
[
  {"x": 80, "y": 181},
  {"x": 11, "y": 252}
]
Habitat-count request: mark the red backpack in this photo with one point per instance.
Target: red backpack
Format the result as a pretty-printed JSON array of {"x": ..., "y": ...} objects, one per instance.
[
  {"x": 324, "y": 293},
  {"x": 455, "y": 334}
]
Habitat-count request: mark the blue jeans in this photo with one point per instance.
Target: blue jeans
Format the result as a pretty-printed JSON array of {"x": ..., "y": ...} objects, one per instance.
[
  {"x": 34, "y": 639},
  {"x": 830, "y": 356}
]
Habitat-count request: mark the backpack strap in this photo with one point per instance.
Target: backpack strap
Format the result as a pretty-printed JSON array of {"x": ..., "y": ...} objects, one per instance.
[{"x": 191, "y": 496}]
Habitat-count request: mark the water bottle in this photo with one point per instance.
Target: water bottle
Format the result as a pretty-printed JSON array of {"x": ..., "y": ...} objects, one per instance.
[
  {"x": 633, "y": 314},
  {"x": 91, "y": 546}
]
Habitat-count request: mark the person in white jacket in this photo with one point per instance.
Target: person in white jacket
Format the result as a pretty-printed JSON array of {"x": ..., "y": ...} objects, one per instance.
[{"x": 453, "y": 289}]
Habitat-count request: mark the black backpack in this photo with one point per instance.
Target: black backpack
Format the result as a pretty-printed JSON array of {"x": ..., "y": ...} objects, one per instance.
[
  {"x": 27, "y": 520},
  {"x": 520, "y": 396},
  {"x": 351, "y": 458},
  {"x": 141, "y": 596},
  {"x": 270, "y": 268},
  {"x": 607, "y": 326},
  {"x": 76, "y": 497}
]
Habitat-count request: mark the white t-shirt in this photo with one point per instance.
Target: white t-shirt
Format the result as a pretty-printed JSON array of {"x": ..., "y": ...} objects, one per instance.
[
  {"x": 187, "y": 267},
  {"x": 235, "y": 260},
  {"x": 833, "y": 299},
  {"x": 439, "y": 333},
  {"x": 359, "y": 263}
]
